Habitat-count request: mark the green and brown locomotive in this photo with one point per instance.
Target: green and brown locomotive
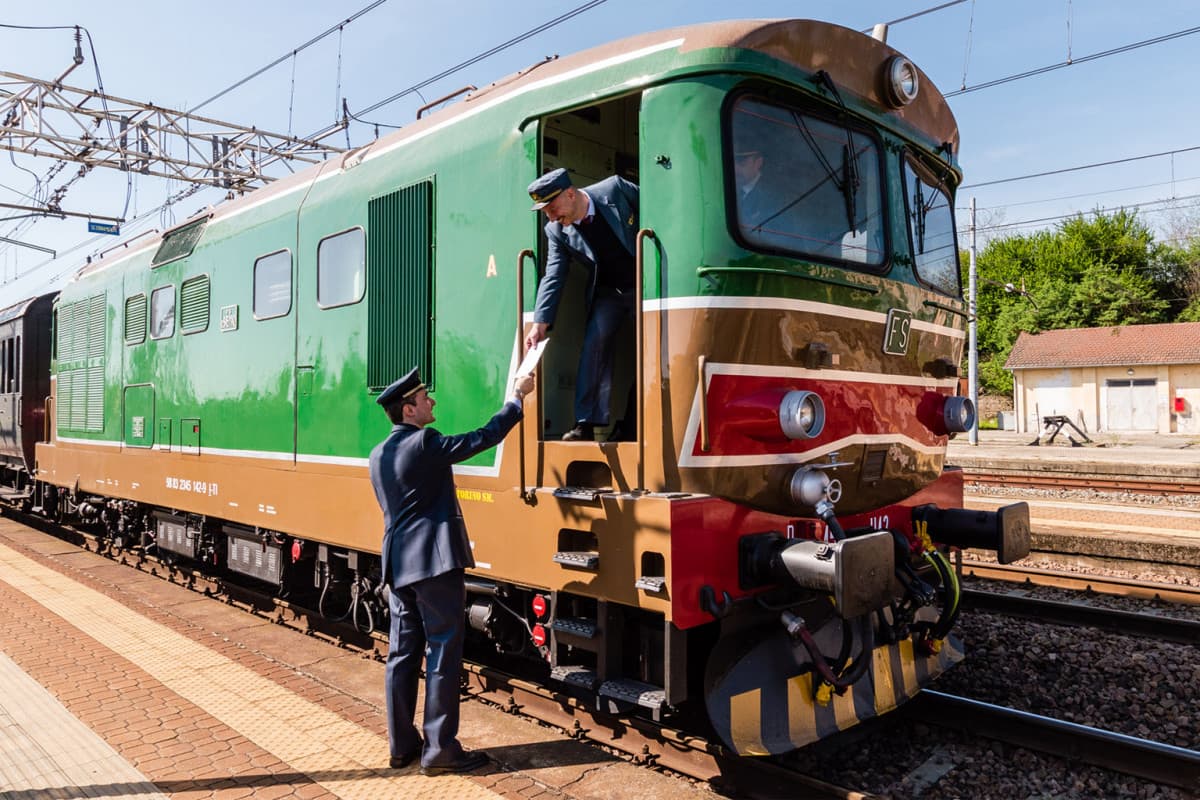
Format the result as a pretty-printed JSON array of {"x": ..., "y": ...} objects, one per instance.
[{"x": 769, "y": 552}]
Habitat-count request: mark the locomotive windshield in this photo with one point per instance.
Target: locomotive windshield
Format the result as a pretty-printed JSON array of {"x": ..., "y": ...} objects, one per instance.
[
  {"x": 805, "y": 186},
  {"x": 931, "y": 229}
]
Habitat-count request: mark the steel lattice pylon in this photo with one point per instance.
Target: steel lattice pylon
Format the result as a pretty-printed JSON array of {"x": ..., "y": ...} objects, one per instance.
[{"x": 50, "y": 119}]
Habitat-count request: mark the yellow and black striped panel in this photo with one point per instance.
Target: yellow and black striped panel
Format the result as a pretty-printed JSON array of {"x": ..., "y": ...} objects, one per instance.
[{"x": 781, "y": 715}]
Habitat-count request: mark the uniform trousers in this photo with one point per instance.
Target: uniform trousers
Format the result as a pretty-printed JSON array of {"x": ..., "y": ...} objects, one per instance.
[
  {"x": 428, "y": 620},
  {"x": 593, "y": 385}
]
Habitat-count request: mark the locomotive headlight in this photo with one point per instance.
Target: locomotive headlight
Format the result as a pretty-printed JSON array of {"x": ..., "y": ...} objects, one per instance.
[
  {"x": 959, "y": 414},
  {"x": 901, "y": 80},
  {"x": 801, "y": 414},
  {"x": 808, "y": 487}
]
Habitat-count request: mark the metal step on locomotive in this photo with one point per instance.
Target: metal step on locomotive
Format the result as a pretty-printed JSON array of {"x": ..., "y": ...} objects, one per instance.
[{"x": 768, "y": 553}]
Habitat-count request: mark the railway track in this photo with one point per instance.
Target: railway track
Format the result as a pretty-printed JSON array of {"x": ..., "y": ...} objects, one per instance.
[
  {"x": 1056, "y": 481},
  {"x": 1141, "y": 758},
  {"x": 1123, "y": 587},
  {"x": 1154, "y": 626}
]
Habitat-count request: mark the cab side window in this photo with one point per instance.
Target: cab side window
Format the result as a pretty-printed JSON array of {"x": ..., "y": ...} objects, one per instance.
[
  {"x": 341, "y": 268},
  {"x": 162, "y": 312}
]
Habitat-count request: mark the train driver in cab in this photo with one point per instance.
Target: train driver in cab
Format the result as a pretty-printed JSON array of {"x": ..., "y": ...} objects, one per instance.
[{"x": 596, "y": 225}]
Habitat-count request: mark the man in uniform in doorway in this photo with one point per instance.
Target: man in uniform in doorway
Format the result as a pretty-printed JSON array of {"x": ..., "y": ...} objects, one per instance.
[
  {"x": 596, "y": 225},
  {"x": 425, "y": 550}
]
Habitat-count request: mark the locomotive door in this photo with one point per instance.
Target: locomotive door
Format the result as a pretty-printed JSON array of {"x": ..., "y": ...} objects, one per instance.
[
  {"x": 331, "y": 420},
  {"x": 592, "y": 143}
]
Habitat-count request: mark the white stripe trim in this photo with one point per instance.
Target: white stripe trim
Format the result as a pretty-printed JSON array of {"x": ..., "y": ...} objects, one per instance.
[
  {"x": 840, "y": 375},
  {"x": 688, "y": 460},
  {"x": 790, "y": 304},
  {"x": 535, "y": 86},
  {"x": 341, "y": 461}
]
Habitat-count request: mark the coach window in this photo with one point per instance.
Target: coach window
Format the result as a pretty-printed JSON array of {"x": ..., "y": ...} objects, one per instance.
[
  {"x": 341, "y": 269},
  {"x": 17, "y": 363},
  {"x": 931, "y": 232},
  {"x": 804, "y": 185},
  {"x": 273, "y": 285},
  {"x": 162, "y": 312}
]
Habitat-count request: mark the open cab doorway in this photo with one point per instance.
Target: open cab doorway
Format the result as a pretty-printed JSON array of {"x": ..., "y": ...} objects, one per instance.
[{"x": 592, "y": 143}]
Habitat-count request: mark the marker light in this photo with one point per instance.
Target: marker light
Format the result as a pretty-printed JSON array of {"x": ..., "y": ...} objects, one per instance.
[
  {"x": 958, "y": 414},
  {"x": 902, "y": 81},
  {"x": 801, "y": 414}
]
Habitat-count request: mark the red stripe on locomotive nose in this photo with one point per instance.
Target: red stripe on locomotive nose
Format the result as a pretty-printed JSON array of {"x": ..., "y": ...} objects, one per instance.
[{"x": 741, "y": 423}]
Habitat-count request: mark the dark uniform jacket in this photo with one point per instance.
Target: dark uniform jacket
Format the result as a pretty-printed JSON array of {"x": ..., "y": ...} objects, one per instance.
[
  {"x": 615, "y": 200},
  {"x": 424, "y": 534}
]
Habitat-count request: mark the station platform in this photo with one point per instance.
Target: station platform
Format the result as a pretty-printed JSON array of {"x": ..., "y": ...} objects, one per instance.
[
  {"x": 1143, "y": 456},
  {"x": 117, "y": 684}
]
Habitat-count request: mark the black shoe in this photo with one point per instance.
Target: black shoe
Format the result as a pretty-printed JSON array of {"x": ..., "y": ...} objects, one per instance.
[
  {"x": 582, "y": 432},
  {"x": 620, "y": 433},
  {"x": 464, "y": 763},
  {"x": 400, "y": 762}
]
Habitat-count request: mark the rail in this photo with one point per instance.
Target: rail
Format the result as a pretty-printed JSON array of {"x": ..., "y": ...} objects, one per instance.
[
  {"x": 1142, "y": 758},
  {"x": 1123, "y": 587},
  {"x": 639, "y": 282},
  {"x": 526, "y": 492}
]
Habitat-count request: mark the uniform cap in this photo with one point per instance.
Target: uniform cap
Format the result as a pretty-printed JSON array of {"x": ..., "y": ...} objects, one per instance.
[
  {"x": 402, "y": 389},
  {"x": 549, "y": 186}
]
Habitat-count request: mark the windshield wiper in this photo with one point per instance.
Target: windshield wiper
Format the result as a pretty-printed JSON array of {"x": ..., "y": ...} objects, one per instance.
[{"x": 850, "y": 180}]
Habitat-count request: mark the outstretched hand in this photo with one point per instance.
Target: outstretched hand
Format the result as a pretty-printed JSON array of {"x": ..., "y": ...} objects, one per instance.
[
  {"x": 524, "y": 385},
  {"x": 535, "y": 335}
]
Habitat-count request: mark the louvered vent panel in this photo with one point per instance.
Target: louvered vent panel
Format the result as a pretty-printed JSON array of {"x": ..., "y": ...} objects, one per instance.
[
  {"x": 95, "y": 332},
  {"x": 135, "y": 319},
  {"x": 193, "y": 300},
  {"x": 94, "y": 420},
  {"x": 82, "y": 337},
  {"x": 400, "y": 285}
]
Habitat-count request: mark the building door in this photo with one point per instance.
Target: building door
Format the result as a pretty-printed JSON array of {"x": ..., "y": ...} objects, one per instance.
[{"x": 1131, "y": 404}]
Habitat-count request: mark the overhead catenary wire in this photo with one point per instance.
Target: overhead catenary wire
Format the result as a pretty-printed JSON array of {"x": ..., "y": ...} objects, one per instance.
[
  {"x": 1082, "y": 60},
  {"x": 485, "y": 54},
  {"x": 289, "y": 54},
  {"x": 1093, "y": 165}
]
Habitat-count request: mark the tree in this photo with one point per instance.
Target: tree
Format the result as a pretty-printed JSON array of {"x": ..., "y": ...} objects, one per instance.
[{"x": 1090, "y": 272}]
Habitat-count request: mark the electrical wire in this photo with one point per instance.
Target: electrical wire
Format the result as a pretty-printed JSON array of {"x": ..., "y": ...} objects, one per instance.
[
  {"x": 1078, "y": 168},
  {"x": 920, "y": 14},
  {"x": 545, "y": 26},
  {"x": 333, "y": 29},
  {"x": 1171, "y": 182},
  {"x": 1093, "y": 57}
]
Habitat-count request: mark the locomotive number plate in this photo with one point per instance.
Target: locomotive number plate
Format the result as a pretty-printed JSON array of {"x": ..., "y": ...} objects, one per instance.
[{"x": 896, "y": 334}]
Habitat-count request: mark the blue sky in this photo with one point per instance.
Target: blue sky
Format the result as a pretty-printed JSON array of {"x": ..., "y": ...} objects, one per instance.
[{"x": 178, "y": 55}]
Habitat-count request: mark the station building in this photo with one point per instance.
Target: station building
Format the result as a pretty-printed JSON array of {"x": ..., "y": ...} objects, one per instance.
[{"x": 1129, "y": 378}]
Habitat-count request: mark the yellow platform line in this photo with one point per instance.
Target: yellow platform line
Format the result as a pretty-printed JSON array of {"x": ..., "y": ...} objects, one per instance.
[{"x": 344, "y": 758}]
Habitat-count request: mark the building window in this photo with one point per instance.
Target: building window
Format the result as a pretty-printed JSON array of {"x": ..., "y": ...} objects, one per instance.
[
  {"x": 273, "y": 285},
  {"x": 162, "y": 312},
  {"x": 341, "y": 269}
]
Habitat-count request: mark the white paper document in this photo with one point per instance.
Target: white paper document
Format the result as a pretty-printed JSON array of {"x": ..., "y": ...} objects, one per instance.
[{"x": 532, "y": 358}]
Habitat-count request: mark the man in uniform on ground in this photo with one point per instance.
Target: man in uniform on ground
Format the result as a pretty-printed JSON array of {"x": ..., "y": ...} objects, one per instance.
[{"x": 425, "y": 550}]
